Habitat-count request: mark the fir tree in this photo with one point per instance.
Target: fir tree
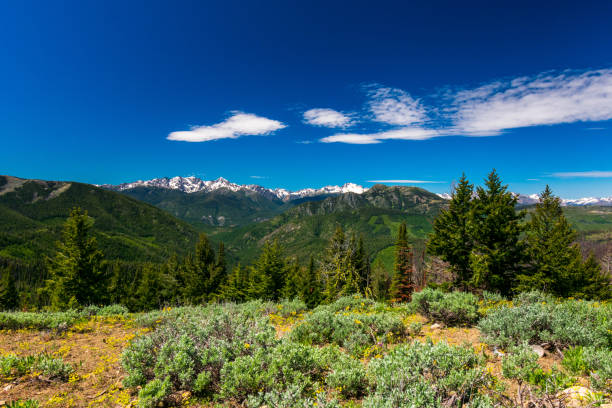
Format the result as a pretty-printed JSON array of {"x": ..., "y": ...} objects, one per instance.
[
  {"x": 200, "y": 272},
  {"x": 310, "y": 286},
  {"x": 76, "y": 277},
  {"x": 292, "y": 281},
  {"x": 550, "y": 248},
  {"x": 338, "y": 267},
  {"x": 9, "y": 297},
  {"x": 555, "y": 259},
  {"x": 268, "y": 274},
  {"x": 402, "y": 285},
  {"x": 451, "y": 239},
  {"x": 496, "y": 227},
  {"x": 236, "y": 287},
  {"x": 381, "y": 281}
]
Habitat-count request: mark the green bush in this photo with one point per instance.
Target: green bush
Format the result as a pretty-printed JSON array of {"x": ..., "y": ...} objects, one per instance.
[
  {"x": 355, "y": 331},
  {"x": 426, "y": 375},
  {"x": 291, "y": 398},
  {"x": 521, "y": 364},
  {"x": 51, "y": 367},
  {"x": 453, "y": 308},
  {"x": 598, "y": 364},
  {"x": 191, "y": 346},
  {"x": 562, "y": 324},
  {"x": 271, "y": 370},
  {"x": 39, "y": 321},
  {"x": 23, "y": 404}
]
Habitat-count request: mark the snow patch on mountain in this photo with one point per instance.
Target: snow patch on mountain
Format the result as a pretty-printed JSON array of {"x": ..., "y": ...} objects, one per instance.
[{"x": 534, "y": 199}]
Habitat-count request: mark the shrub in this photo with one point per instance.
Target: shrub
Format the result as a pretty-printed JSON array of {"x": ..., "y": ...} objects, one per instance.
[
  {"x": 573, "y": 361},
  {"x": 353, "y": 331},
  {"x": 39, "y": 321},
  {"x": 291, "y": 398},
  {"x": 598, "y": 363},
  {"x": 53, "y": 368},
  {"x": 191, "y": 346},
  {"x": 562, "y": 324},
  {"x": 346, "y": 374},
  {"x": 454, "y": 308},
  {"x": 426, "y": 375},
  {"x": 521, "y": 364},
  {"x": 30, "y": 403},
  {"x": 291, "y": 307},
  {"x": 270, "y": 370}
]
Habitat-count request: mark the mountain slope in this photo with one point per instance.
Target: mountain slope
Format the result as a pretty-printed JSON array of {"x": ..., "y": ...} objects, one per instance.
[
  {"x": 305, "y": 229},
  {"x": 32, "y": 213}
]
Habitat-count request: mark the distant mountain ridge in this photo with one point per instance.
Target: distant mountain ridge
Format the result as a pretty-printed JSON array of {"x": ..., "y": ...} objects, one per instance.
[
  {"x": 566, "y": 202},
  {"x": 195, "y": 185}
]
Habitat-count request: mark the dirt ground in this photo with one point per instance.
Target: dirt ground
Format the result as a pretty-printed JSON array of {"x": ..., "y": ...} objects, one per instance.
[{"x": 92, "y": 348}]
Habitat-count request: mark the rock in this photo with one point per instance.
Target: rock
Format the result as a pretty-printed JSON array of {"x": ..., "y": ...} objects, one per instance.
[
  {"x": 539, "y": 350},
  {"x": 436, "y": 326},
  {"x": 498, "y": 353},
  {"x": 605, "y": 406},
  {"x": 2, "y": 403},
  {"x": 577, "y": 396}
]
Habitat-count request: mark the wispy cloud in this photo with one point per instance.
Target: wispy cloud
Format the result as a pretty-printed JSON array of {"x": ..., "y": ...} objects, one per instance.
[
  {"x": 237, "y": 125},
  {"x": 491, "y": 109},
  {"x": 327, "y": 118},
  {"x": 545, "y": 99},
  {"x": 258, "y": 177},
  {"x": 395, "y": 107},
  {"x": 583, "y": 174},
  {"x": 412, "y": 133},
  {"x": 407, "y": 181},
  {"x": 533, "y": 179}
]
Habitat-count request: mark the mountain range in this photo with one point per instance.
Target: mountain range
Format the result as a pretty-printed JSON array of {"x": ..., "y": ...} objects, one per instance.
[
  {"x": 194, "y": 184},
  {"x": 150, "y": 220}
]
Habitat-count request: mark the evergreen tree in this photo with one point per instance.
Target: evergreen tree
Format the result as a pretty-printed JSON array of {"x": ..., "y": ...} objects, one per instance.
[
  {"x": 362, "y": 264},
  {"x": 555, "y": 260},
  {"x": 550, "y": 247},
  {"x": 338, "y": 267},
  {"x": 200, "y": 272},
  {"x": 236, "y": 287},
  {"x": 451, "y": 239},
  {"x": 381, "y": 281},
  {"x": 9, "y": 297},
  {"x": 496, "y": 227},
  {"x": 310, "y": 286},
  {"x": 268, "y": 274},
  {"x": 402, "y": 285},
  {"x": 291, "y": 290},
  {"x": 76, "y": 276}
]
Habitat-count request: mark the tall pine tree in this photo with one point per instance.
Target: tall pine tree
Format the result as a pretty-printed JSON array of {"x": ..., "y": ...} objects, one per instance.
[
  {"x": 451, "y": 239},
  {"x": 310, "y": 286},
  {"x": 555, "y": 260},
  {"x": 402, "y": 285},
  {"x": 76, "y": 276},
  {"x": 496, "y": 227}
]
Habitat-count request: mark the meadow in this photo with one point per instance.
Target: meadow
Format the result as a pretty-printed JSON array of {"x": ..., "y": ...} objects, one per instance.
[{"x": 440, "y": 350}]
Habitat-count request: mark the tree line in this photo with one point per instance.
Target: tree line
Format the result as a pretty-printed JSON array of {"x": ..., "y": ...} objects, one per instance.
[{"x": 485, "y": 242}]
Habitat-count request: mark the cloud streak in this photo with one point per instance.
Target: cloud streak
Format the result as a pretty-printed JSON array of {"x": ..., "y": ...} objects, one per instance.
[
  {"x": 407, "y": 181},
  {"x": 327, "y": 118},
  {"x": 237, "y": 125},
  {"x": 395, "y": 107},
  {"x": 583, "y": 174},
  {"x": 413, "y": 133}
]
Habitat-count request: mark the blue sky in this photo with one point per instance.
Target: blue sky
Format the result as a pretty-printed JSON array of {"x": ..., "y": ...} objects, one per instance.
[{"x": 294, "y": 95}]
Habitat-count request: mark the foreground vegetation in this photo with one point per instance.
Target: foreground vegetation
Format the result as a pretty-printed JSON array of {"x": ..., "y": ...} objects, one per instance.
[{"x": 440, "y": 350}]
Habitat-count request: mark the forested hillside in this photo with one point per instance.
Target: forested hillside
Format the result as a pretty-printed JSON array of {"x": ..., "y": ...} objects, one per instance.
[{"x": 32, "y": 213}]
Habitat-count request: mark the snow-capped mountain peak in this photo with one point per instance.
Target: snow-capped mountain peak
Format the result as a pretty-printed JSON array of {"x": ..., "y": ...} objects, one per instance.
[{"x": 194, "y": 184}]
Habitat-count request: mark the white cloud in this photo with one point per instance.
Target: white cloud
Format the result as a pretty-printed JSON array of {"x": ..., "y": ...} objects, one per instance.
[
  {"x": 239, "y": 124},
  {"x": 258, "y": 177},
  {"x": 546, "y": 99},
  {"x": 327, "y": 118},
  {"x": 412, "y": 133},
  {"x": 407, "y": 181},
  {"x": 584, "y": 174},
  {"x": 395, "y": 107}
]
